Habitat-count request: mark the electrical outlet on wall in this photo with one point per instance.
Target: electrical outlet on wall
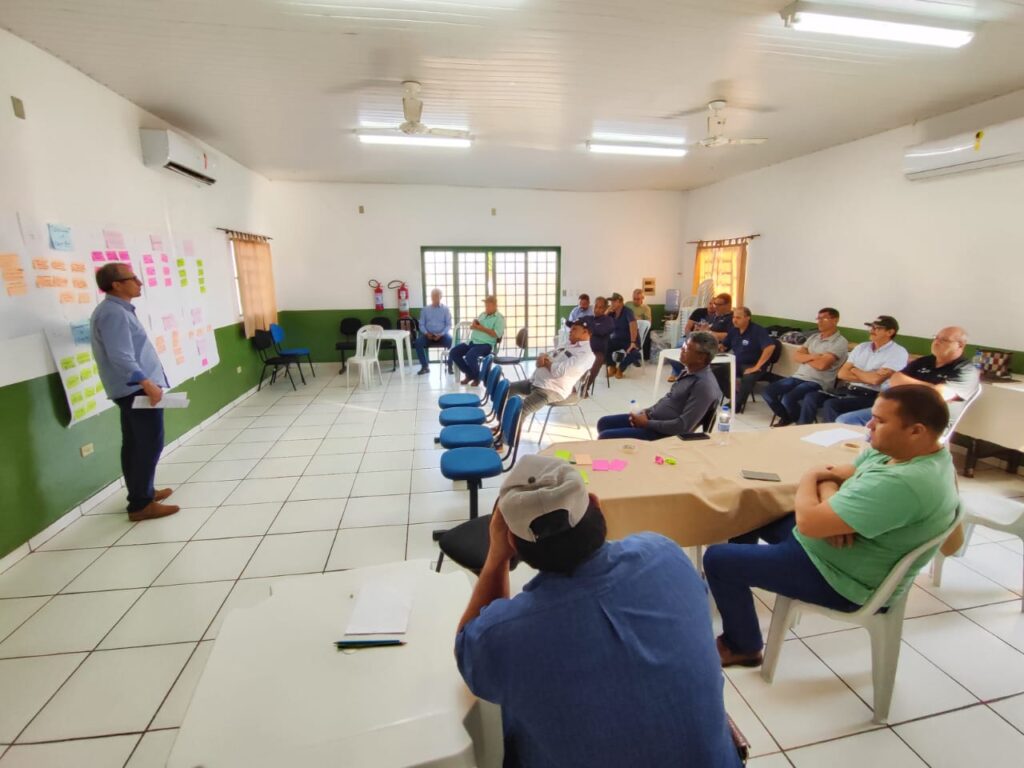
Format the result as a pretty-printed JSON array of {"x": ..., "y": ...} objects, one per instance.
[{"x": 87, "y": 449}]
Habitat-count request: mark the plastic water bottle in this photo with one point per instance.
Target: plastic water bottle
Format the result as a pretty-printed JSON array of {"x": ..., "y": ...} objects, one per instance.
[
  {"x": 977, "y": 360},
  {"x": 724, "y": 423},
  {"x": 633, "y": 410}
]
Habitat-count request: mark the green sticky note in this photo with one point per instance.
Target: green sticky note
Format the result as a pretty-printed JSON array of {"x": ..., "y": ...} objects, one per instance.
[
  {"x": 184, "y": 283},
  {"x": 86, "y": 374},
  {"x": 67, "y": 363},
  {"x": 669, "y": 460},
  {"x": 73, "y": 381},
  {"x": 564, "y": 455},
  {"x": 90, "y": 392},
  {"x": 182, "y": 273},
  {"x": 90, "y": 406},
  {"x": 181, "y": 262},
  {"x": 83, "y": 357},
  {"x": 585, "y": 476},
  {"x": 79, "y": 413},
  {"x": 99, "y": 387},
  {"x": 76, "y": 397},
  {"x": 202, "y": 290}
]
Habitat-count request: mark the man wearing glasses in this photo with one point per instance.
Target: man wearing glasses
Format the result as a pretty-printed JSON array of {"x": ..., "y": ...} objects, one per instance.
[
  {"x": 129, "y": 367},
  {"x": 946, "y": 370}
]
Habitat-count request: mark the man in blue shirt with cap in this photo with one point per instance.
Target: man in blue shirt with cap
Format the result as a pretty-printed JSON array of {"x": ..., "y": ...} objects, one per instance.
[{"x": 607, "y": 658}]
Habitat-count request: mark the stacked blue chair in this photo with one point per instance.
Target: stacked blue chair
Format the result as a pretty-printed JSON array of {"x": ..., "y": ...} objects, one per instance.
[
  {"x": 452, "y": 416},
  {"x": 478, "y": 435},
  {"x": 277, "y": 332},
  {"x": 475, "y": 464},
  {"x": 469, "y": 399}
]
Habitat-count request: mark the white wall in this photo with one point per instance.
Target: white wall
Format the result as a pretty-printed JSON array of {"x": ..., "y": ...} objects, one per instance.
[
  {"x": 325, "y": 250},
  {"x": 77, "y": 159},
  {"x": 844, "y": 228}
]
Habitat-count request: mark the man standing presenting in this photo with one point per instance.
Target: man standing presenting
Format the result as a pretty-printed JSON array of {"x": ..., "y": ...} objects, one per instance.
[
  {"x": 820, "y": 358},
  {"x": 557, "y": 372},
  {"x": 129, "y": 367},
  {"x": 435, "y": 330},
  {"x": 606, "y": 658},
  {"x": 487, "y": 329}
]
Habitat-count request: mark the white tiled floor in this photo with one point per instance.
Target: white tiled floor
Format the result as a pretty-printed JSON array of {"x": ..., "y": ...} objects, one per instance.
[{"x": 105, "y": 630}]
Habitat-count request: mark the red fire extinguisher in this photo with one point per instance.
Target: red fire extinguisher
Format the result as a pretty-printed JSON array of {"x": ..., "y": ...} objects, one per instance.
[
  {"x": 378, "y": 295},
  {"x": 403, "y": 297}
]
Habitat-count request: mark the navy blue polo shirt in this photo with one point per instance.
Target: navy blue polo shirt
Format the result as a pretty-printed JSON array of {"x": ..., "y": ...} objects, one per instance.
[
  {"x": 622, "y": 324},
  {"x": 613, "y": 666},
  {"x": 747, "y": 346}
]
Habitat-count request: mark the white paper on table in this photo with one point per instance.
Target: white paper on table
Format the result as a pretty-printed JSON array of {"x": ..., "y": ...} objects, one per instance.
[
  {"x": 169, "y": 400},
  {"x": 832, "y": 436},
  {"x": 380, "y": 609}
]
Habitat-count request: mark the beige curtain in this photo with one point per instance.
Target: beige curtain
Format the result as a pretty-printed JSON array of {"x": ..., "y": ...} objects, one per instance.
[
  {"x": 255, "y": 284},
  {"x": 724, "y": 262}
]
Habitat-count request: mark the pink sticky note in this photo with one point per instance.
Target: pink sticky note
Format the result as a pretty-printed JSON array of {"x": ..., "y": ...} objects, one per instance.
[
  {"x": 163, "y": 257},
  {"x": 123, "y": 256},
  {"x": 152, "y": 282},
  {"x": 205, "y": 361},
  {"x": 658, "y": 460},
  {"x": 167, "y": 282},
  {"x": 600, "y": 465},
  {"x": 97, "y": 256},
  {"x": 617, "y": 465},
  {"x": 147, "y": 258},
  {"x": 151, "y": 271},
  {"x": 111, "y": 255}
]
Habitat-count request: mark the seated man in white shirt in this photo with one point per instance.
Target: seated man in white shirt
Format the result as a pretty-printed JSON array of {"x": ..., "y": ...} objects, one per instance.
[
  {"x": 868, "y": 367},
  {"x": 557, "y": 371}
]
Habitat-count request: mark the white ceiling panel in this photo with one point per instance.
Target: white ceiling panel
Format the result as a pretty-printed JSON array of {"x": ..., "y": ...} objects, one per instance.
[{"x": 280, "y": 85}]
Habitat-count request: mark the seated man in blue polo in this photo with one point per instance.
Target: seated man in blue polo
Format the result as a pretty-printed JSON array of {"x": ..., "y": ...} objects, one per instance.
[
  {"x": 867, "y": 368},
  {"x": 946, "y": 369},
  {"x": 488, "y": 328},
  {"x": 820, "y": 358},
  {"x": 624, "y": 336},
  {"x": 682, "y": 410},
  {"x": 435, "y": 330},
  {"x": 851, "y": 526},
  {"x": 753, "y": 347},
  {"x": 607, "y": 657}
]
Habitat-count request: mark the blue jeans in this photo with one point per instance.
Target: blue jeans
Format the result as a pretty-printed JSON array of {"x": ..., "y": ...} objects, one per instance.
[
  {"x": 782, "y": 567},
  {"x": 613, "y": 427},
  {"x": 466, "y": 357},
  {"x": 142, "y": 442},
  {"x": 855, "y": 418},
  {"x": 619, "y": 345},
  {"x": 788, "y": 399},
  {"x": 422, "y": 343},
  {"x": 834, "y": 407}
]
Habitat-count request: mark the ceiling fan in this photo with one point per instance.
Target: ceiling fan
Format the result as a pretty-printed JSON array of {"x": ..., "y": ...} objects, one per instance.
[
  {"x": 412, "y": 109},
  {"x": 716, "y": 129}
]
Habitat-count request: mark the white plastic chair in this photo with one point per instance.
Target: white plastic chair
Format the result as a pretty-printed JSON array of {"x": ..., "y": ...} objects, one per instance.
[
  {"x": 885, "y": 629},
  {"x": 367, "y": 354},
  {"x": 643, "y": 327},
  {"x": 704, "y": 291},
  {"x": 990, "y": 511},
  {"x": 952, "y": 426}
]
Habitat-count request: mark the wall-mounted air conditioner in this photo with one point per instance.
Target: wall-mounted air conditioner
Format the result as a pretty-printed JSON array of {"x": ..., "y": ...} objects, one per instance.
[
  {"x": 997, "y": 145},
  {"x": 167, "y": 149}
]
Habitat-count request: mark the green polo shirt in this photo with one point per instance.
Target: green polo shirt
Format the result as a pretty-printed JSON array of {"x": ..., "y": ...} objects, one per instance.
[
  {"x": 495, "y": 322},
  {"x": 893, "y": 508}
]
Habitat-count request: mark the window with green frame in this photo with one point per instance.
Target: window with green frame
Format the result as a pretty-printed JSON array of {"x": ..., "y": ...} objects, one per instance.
[{"x": 526, "y": 282}]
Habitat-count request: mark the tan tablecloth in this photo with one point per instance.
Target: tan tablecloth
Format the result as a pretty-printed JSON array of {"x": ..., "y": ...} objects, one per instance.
[{"x": 703, "y": 499}]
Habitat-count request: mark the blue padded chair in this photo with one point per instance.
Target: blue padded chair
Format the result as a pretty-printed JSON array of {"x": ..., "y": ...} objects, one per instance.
[
  {"x": 452, "y": 416},
  {"x": 277, "y": 332},
  {"x": 475, "y": 464},
  {"x": 470, "y": 399},
  {"x": 476, "y": 435}
]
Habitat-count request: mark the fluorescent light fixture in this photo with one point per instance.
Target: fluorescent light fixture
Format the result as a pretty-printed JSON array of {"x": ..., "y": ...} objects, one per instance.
[
  {"x": 603, "y": 136},
  {"x": 445, "y": 142},
  {"x": 860, "y": 22},
  {"x": 635, "y": 149}
]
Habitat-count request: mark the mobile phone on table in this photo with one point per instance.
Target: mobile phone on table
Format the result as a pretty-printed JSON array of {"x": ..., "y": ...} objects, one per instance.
[
  {"x": 695, "y": 436},
  {"x": 770, "y": 477}
]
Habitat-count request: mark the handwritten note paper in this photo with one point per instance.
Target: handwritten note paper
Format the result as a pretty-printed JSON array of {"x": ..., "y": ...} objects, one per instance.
[
  {"x": 113, "y": 239},
  {"x": 832, "y": 436},
  {"x": 60, "y": 237}
]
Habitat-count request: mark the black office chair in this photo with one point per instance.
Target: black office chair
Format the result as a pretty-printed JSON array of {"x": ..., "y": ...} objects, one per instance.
[
  {"x": 768, "y": 368},
  {"x": 516, "y": 361},
  {"x": 385, "y": 323},
  {"x": 348, "y": 328},
  {"x": 263, "y": 341}
]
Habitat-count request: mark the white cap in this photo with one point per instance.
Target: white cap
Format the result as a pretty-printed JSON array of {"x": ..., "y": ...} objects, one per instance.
[{"x": 536, "y": 486}]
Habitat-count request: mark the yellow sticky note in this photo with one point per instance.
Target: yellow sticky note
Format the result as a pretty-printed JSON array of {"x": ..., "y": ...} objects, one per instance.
[
  {"x": 83, "y": 357},
  {"x": 79, "y": 413},
  {"x": 74, "y": 381},
  {"x": 86, "y": 374},
  {"x": 67, "y": 363},
  {"x": 90, "y": 392},
  {"x": 90, "y": 406},
  {"x": 585, "y": 476},
  {"x": 76, "y": 397}
]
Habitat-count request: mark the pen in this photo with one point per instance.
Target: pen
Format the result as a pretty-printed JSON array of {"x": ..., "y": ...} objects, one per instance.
[{"x": 343, "y": 644}]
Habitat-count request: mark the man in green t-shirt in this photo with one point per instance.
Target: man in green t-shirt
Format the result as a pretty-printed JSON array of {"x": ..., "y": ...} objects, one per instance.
[
  {"x": 488, "y": 328},
  {"x": 852, "y": 524}
]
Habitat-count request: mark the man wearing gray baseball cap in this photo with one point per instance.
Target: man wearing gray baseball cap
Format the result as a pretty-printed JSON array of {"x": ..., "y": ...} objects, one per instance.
[{"x": 607, "y": 657}]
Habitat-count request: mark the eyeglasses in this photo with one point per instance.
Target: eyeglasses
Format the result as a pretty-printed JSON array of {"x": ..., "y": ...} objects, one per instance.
[
  {"x": 126, "y": 279},
  {"x": 945, "y": 340}
]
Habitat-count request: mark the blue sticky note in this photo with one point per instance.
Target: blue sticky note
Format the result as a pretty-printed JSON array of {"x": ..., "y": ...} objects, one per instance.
[
  {"x": 80, "y": 332},
  {"x": 60, "y": 237}
]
